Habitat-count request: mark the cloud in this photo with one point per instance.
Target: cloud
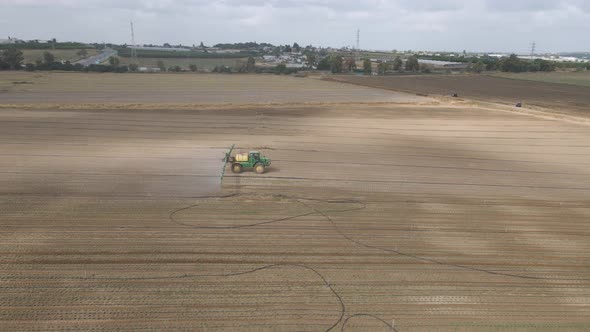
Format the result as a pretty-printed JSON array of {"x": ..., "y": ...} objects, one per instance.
[
  {"x": 524, "y": 5},
  {"x": 432, "y": 6},
  {"x": 503, "y": 25}
]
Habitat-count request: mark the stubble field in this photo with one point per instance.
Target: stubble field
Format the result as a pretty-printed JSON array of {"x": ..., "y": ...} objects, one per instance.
[{"x": 372, "y": 216}]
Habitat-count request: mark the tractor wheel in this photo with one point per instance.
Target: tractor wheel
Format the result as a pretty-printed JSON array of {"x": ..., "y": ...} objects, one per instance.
[
  {"x": 236, "y": 168},
  {"x": 259, "y": 168}
]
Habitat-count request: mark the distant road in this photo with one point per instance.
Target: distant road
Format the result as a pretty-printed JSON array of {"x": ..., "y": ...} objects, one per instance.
[{"x": 97, "y": 59}]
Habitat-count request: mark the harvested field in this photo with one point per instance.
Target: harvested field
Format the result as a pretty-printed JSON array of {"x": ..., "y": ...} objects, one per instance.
[
  {"x": 429, "y": 217},
  {"x": 560, "y": 98},
  {"x": 186, "y": 88}
]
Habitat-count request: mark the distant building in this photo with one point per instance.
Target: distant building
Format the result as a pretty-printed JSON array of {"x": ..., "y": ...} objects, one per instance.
[
  {"x": 443, "y": 64},
  {"x": 227, "y": 51},
  {"x": 552, "y": 58},
  {"x": 154, "y": 48},
  {"x": 148, "y": 70}
]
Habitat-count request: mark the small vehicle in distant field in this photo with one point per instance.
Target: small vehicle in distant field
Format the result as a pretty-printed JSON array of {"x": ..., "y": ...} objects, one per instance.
[{"x": 251, "y": 160}]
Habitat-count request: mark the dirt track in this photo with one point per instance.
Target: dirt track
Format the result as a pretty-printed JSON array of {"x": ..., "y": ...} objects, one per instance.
[{"x": 438, "y": 218}]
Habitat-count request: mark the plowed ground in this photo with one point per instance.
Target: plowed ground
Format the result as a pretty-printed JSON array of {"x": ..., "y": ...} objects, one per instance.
[
  {"x": 428, "y": 218},
  {"x": 558, "y": 98}
]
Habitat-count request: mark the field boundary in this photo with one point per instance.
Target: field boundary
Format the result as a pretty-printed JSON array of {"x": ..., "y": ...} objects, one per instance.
[
  {"x": 535, "y": 111},
  {"x": 438, "y": 101},
  {"x": 543, "y": 113},
  {"x": 184, "y": 106},
  {"x": 332, "y": 79}
]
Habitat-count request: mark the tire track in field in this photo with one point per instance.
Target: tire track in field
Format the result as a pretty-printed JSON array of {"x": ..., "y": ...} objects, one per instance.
[
  {"x": 236, "y": 274},
  {"x": 388, "y": 165},
  {"x": 214, "y": 129},
  {"x": 421, "y": 182},
  {"x": 121, "y": 126},
  {"x": 361, "y": 206},
  {"x": 389, "y": 326},
  {"x": 325, "y": 215}
]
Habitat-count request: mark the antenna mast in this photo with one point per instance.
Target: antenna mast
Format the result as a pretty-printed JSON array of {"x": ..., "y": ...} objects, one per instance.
[
  {"x": 133, "y": 49},
  {"x": 358, "y": 41}
]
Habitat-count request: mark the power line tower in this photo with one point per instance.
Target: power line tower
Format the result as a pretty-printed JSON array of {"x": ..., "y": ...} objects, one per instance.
[
  {"x": 358, "y": 42},
  {"x": 533, "y": 46},
  {"x": 133, "y": 46}
]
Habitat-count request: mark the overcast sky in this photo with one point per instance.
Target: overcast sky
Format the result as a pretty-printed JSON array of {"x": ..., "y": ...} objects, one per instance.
[{"x": 474, "y": 25}]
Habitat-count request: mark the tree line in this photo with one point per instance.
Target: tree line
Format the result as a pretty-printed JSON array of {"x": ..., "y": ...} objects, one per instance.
[
  {"x": 13, "y": 59},
  {"x": 339, "y": 64},
  {"x": 511, "y": 63},
  {"x": 514, "y": 64},
  {"x": 52, "y": 44},
  {"x": 240, "y": 46}
]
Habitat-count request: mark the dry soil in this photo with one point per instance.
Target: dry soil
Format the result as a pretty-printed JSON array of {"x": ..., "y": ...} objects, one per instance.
[{"x": 426, "y": 218}]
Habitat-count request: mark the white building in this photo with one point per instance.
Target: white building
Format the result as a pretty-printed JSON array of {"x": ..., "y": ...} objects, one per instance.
[{"x": 148, "y": 70}]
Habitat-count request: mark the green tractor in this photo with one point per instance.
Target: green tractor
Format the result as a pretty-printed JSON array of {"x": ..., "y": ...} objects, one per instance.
[{"x": 251, "y": 160}]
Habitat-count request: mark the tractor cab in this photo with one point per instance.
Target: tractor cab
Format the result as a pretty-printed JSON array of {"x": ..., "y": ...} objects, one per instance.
[{"x": 254, "y": 155}]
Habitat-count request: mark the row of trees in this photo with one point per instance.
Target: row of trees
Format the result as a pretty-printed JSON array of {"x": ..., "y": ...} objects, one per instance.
[
  {"x": 514, "y": 64},
  {"x": 11, "y": 58},
  {"x": 240, "y": 46},
  {"x": 249, "y": 66},
  {"x": 339, "y": 64},
  {"x": 397, "y": 65},
  {"x": 160, "y": 64},
  {"x": 280, "y": 69},
  {"x": 51, "y": 44},
  {"x": 506, "y": 64}
]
